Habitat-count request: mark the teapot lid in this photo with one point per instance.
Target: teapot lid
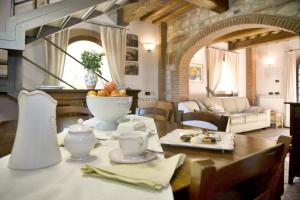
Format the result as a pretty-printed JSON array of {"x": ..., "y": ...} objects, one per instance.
[{"x": 79, "y": 128}]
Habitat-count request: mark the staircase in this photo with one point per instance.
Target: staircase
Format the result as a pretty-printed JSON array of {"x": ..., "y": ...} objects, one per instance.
[
  {"x": 50, "y": 19},
  {"x": 32, "y": 25}
]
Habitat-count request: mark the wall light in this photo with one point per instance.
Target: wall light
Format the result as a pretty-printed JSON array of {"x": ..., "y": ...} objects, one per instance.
[
  {"x": 269, "y": 60},
  {"x": 149, "y": 46}
]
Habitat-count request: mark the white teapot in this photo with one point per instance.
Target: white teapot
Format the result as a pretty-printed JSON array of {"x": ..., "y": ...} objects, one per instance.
[{"x": 79, "y": 141}]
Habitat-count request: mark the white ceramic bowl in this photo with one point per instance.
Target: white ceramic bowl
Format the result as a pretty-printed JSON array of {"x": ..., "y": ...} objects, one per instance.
[{"x": 108, "y": 109}]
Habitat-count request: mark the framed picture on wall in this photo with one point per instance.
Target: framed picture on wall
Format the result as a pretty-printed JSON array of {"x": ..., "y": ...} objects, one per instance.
[
  {"x": 41, "y": 3},
  {"x": 132, "y": 40},
  {"x": 196, "y": 72},
  {"x": 131, "y": 68},
  {"x": 132, "y": 54}
]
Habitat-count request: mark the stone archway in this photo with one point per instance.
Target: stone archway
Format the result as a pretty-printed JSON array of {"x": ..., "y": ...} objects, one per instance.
[{"x": 178, "y": 83}]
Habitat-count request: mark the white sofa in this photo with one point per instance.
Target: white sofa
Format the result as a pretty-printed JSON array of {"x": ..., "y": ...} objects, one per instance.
[{"x": 242, "y": 116}]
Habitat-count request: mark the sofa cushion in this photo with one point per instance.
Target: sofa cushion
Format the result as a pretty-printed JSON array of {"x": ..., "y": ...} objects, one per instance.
[
  {"x": 237, "y": 118},
  {"x": 242, "y": 104},
  {"x": 229, "y": 105},
  {"x": 213, "y": 104},
  {"x": 251, "y": 117},
  {"x": 188, "y": 106},
  {"x": 261, "y": 116},
  {"x": 216, "y": 108},
  {"x": 254, "y": 109}
]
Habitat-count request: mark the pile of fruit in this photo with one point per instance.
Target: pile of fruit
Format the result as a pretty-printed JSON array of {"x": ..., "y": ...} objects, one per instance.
[{"x": 110, "y": 90}]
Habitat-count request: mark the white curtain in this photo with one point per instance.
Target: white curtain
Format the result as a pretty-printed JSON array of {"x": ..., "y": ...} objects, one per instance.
[
  {"x": 114, "y": 44},
  {"x": 232, "y": 64},
  {"x": 55, "y": 58},
  {"x": 214, "y": 64},
  {"x": 290, "y": 85}
]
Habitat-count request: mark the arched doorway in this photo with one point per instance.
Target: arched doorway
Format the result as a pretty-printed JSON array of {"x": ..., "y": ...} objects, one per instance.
[{"x": 178, "y": 82}]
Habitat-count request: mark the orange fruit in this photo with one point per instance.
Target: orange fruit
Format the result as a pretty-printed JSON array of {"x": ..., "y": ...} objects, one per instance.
[
  {"x": 103, "y": 93},
  {"x": 92, "y": 93},
  {"x": 122, "y": 93},
  {"x": 110, "y": 86},
  {"x": 115, "y": 93}
]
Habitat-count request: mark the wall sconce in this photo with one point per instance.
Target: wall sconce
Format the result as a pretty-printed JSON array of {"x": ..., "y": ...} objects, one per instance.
[
  {"x": 149, "y": 46},
  {"x": 269, "y": 60}
]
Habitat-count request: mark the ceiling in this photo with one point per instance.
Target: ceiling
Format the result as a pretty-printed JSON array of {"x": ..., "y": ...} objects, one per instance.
[
  {"x": 157, "y": 11},
  {"x": 253, "y": 37}
]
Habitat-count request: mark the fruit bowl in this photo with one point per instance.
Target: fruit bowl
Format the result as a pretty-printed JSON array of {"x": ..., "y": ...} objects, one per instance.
[{"x": 108, "y": 110}]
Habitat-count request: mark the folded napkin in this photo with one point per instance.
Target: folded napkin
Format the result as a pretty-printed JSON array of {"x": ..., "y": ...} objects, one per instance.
[
  {"x": 61, "y": 137},
  {"x": 155, "y": 174}
]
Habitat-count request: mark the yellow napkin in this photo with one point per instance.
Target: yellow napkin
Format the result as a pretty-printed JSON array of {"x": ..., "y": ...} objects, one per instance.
[
  {"x": 155, "y": 174},
  {"x": 61, "y": 137}
]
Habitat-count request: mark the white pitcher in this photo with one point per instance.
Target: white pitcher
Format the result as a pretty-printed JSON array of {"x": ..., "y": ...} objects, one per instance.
[{"x": 36, "y": 143}]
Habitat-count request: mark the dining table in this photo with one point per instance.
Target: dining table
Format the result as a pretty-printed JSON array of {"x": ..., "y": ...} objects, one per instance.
[{"x": 244, "y": 146}]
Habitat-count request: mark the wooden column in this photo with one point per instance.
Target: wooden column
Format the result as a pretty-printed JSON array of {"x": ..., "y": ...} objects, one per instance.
[
  {"x": 294, "y": 160},
  {"x": 162, "y": 62},
  {"x": 251, "y": 75}
]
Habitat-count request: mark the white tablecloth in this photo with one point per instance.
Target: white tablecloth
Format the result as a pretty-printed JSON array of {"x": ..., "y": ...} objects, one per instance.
[{"x": 65, "y": 180}]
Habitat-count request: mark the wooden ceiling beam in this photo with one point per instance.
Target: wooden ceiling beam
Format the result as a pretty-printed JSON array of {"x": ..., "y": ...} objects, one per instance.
[
  {"x": 171, "y": 16},
  {"x": 170, "y": 11},
  {"x": 218, "y": 6},
  {"x": 237, "y": 35},
  {"x": 138, "y": 9},
  {"x": 157, "y": 13},
  {"x": 260, "y": 40}
]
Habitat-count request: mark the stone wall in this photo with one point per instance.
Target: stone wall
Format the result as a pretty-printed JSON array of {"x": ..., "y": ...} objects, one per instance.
[{"x": 200, "y": 27}]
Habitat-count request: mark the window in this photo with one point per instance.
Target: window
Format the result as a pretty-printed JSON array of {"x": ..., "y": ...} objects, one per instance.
[
  {"x": 224, "y": 86},
  {"x": 74, "y": 72}
]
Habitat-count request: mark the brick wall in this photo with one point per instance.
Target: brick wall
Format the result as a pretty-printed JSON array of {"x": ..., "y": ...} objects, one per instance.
[
  {"x": 163, "y": 62},
  {"x": 201, "y": 27},
  {"x": 251, "y": 75}
]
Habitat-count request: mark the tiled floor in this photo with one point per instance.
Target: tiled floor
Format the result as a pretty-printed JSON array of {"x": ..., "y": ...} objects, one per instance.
[{"x": 292, "y": 192}]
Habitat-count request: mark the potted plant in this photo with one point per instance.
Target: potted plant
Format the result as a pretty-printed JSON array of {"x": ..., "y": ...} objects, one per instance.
[{"x": 92, "y": 62}]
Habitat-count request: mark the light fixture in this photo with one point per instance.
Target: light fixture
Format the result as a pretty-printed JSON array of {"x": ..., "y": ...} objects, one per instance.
[
  {"x": 269, "y": 60},
  {"x": 149, "y": 46}
]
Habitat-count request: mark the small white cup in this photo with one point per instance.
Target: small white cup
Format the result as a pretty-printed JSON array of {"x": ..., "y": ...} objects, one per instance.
[{"x": 133, "y": 143}]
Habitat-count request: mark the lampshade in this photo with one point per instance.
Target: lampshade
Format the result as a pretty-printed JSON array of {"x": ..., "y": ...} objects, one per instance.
[{"x": 149, "y": 46}]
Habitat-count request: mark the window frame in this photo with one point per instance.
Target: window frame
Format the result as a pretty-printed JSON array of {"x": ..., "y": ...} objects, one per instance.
[
  {"x": 84, "y": 34},
  {"x": 77, "y": 35}
]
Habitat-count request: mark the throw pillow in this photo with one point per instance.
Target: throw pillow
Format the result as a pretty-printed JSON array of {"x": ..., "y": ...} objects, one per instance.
[{"x": 216, "y": 108}]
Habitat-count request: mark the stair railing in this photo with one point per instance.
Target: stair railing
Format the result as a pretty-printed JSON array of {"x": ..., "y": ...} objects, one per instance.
[{"x": 47, "y": 72}]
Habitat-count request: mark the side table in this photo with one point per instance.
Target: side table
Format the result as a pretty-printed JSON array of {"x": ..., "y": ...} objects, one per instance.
[{"x": 277, "y": 119}]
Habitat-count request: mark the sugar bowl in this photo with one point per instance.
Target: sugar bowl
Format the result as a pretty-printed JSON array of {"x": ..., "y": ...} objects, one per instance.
[{"x": 79, "y": 141}]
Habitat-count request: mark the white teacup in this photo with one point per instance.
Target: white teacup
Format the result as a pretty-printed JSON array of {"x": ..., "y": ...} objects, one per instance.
[{"x": 133, "y": 143}]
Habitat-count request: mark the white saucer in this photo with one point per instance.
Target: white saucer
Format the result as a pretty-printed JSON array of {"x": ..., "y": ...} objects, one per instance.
[
  {"x": 116, "y": 135},
  {"x": 117, "y": 156}
]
